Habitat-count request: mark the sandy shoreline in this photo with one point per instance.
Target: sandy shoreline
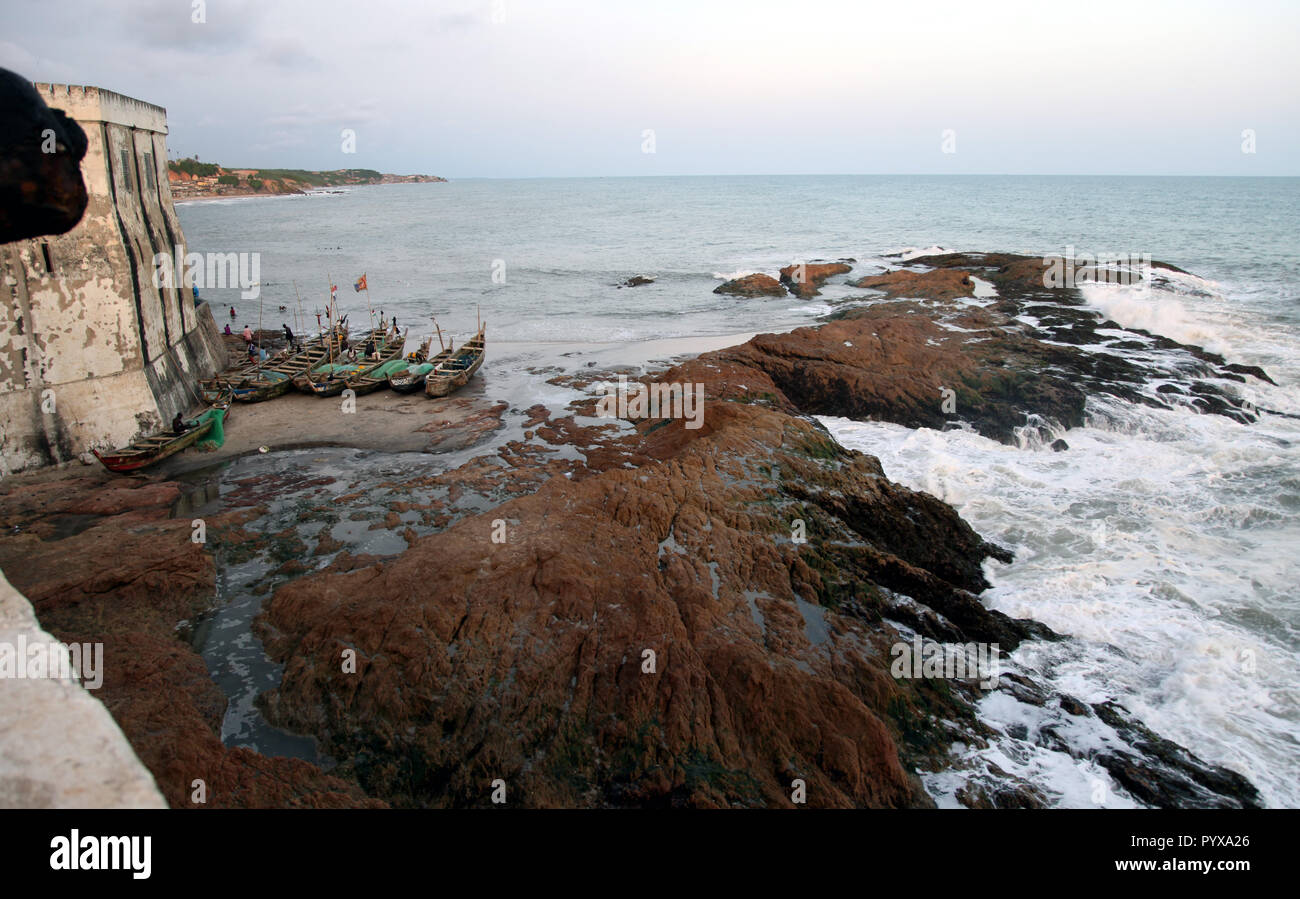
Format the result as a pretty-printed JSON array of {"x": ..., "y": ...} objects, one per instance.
[
  {"x": 249, "y": 196},
  {"x": 384, "y": 421},
  {"x": 391, "y": 422}
]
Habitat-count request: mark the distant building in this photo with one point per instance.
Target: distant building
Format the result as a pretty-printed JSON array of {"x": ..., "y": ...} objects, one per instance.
[{"x": 91, "y": 352}]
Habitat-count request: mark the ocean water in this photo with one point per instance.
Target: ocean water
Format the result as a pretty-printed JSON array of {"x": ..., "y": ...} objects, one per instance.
[{"x": 1166, "y": 542}]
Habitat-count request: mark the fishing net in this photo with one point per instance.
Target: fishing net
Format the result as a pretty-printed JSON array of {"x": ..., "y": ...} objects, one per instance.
[{"x": 217, "y": 436}]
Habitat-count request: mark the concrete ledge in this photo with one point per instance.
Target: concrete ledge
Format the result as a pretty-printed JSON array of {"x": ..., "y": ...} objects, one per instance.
[{"x": 59, "y": 746}]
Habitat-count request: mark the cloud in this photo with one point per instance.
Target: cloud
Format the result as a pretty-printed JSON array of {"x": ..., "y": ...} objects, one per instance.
[
  {"x": 199, "y": 26},
  {"x": 288, "y": 53},
  {"x": 459, "y": 20},
  {"x": 510, "y": 87},
  {"x": 278, "y": 140},
  {"x": 29, "y": 65},
  {"x": 311, "y": 116}
]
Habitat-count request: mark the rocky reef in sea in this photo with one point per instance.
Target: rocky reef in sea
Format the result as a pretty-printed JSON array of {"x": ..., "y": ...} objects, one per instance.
[{"x": 609, "y": 612}]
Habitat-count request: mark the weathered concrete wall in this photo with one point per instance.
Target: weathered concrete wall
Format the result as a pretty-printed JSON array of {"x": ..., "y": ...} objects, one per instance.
[
  {"x": 92, "y": 353},
  {"x": 60, "y": 748}
]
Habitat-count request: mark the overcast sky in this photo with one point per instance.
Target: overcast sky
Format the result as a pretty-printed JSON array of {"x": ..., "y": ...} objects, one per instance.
[{"x": 522, "y": 88}]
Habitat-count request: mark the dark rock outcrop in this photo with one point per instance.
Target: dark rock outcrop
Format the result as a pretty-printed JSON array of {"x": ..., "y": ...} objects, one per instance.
[
  {"x": 527, "y": 661},
  {"x": 102, "y": 561},
  {"x": 939, "y": 361},
  {"x": 756, "y": 285},
  {"x": 937, "y": 284},
  {"x": 806, "y": 278}
]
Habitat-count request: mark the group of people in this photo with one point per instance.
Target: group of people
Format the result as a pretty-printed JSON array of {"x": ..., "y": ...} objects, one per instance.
[
  {"x": 350, "y": 352},
  {"x": 254, "y": 351}
]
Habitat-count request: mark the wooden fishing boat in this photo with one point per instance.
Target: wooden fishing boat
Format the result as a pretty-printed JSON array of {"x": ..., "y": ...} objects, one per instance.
[
  {"x": 275, "y": 380},
  {"x": 454, "y": 372},
  {"x": 332, "y": 378},
  {"x": 325, "y": 368},
  {"x": 151, "y": 450},
  {"x": 251, "y": 383},
  {"x": 377, "y": 377},
  {"x": 212, "y": 389},
  {"x": 412, "y": 377}
]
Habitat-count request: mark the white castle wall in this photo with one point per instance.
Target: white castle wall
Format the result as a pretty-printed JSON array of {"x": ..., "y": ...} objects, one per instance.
[
  {"x": 91, "y": 352},
  {"x": 60, "y": 748}
]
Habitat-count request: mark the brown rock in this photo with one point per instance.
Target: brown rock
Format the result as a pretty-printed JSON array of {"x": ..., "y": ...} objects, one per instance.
[
  {"x": 101, "y": 562},
  {"x": 939, "y": 284},
  {"x": 756, "y": 285},
  {"x": 524, "y": 660},
  {"x": 805, "y": 279}
]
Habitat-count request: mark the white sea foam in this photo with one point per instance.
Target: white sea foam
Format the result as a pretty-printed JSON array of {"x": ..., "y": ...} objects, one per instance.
[
  {"x": 812, "y": 309},
  {"x": 1157, "y": 311},
  {"x": 1163, "y": 541},
  {"x": 906, "y": 254}
]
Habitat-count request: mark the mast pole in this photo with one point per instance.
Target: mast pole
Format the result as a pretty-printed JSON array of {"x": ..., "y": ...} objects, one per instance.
[
  {"x": 259, "y": 331},
  {"x": 329, "y": 315}
]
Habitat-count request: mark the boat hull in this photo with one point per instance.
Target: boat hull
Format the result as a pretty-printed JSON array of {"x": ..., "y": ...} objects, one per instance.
[
  {"x": 406, "y": 383},
  {"x": 409, "y": 379},
  {"x": 257, "y": 385},
  {"x": 154, "y": 450},
  {"x": 357, "y": 380},
  {"x": 437, "y": 385},
  {"x": 263, "y": 392},
  {"x": 332, "y": 387},
  {"x": 367, "y": 385}
]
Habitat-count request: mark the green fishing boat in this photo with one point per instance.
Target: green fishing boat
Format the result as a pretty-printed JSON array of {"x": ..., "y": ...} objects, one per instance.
[
  {"x": 274, "y": 380},
  {"x": 333, "y": 377}
]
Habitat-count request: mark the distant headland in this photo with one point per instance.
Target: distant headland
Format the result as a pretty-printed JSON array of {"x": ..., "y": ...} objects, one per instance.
[{"x": 191, "y": 180}]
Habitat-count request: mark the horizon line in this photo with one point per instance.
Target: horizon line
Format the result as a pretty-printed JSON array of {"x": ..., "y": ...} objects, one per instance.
[{"x": 858, "y": 175}]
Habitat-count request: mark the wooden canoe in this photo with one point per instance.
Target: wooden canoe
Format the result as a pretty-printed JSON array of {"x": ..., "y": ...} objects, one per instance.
[
  {"x": 152, "y": 450},
  {"x": 412, "y": 377},
  {"x": 275, "y": 380},
  {"x": 249, "y": 383},
  {"x": 332, "y": 378},
  {"x": 454, "y": 372}
]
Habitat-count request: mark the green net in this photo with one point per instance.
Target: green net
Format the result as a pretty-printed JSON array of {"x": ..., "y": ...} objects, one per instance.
[{"x": 217, "y": 436}]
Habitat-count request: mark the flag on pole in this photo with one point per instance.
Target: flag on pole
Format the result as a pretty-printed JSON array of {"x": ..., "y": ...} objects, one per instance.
[
  {"x": 334, "y": 291},
  {"x": 361, "y": 284}
]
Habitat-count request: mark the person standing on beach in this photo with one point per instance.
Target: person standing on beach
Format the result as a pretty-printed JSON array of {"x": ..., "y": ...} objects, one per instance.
[
  {"x": 288, "y": 335},
  {"x": 248, "y": 334}
]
